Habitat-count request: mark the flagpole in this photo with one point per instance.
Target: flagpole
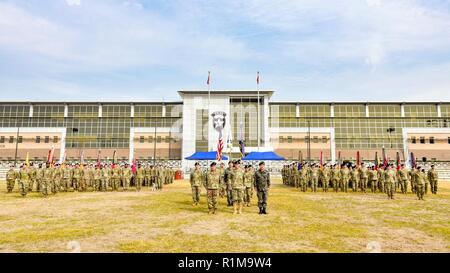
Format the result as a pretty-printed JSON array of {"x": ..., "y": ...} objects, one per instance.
[
  {"x": 257, "y": 115},
  {"x": 209, "y": 101}
]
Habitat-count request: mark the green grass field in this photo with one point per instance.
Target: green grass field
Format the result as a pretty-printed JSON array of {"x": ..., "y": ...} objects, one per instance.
[{"x": 167, "y": 222}]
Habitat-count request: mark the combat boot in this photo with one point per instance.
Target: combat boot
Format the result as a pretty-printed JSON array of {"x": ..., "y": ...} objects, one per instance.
[
  {"x": 264, "y": 211},
  {"x": 260, "y": 210},
  {"x": 240, "y": 208},
  {"x": 235, "y": 207}
]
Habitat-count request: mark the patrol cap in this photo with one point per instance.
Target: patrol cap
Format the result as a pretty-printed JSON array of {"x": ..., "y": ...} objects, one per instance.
[
  {"x": 237, "y": 161},
  {"x": 261, "y": 163},
  {"x": 213, "y": 164},
  {"x": 197, "y": 164}
]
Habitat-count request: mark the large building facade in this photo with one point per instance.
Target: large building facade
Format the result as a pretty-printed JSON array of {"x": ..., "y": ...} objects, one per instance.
[{"x": 174, "y": 130}]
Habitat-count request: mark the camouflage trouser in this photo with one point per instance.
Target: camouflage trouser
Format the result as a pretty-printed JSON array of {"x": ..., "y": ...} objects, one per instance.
[
  {"x": 373, "y": 185},
  {"x": 248, "y": 194},
  {"x": 404, "y": 186},
  {"x": 196, "y": 194},
  {"x": 104, "y": 184},
  {"x": 390, "y": 189},
  {"x": 97, "y": 183},
  {"x": 238, "y": 195},
  {"x": 222, "y": 192},
  {"x": 355, "y": 185},
  {"x": 426, "y": 187},
  {"x": 335, "y": 185},
  {"x": 115, "y": 181},
  {"x": 76, "y": 183},
  {"x": 126, "y": 183},
  {"x": 296, "y": 181},
  {"x": 159, "y": 183},
  {"x": 212, "y": 198},
  {"x": 229, "y": 197},
  {"x": 381, "y": 186},
  {"x": 10, "y": 184},
  {"x": 420, "y": 191},
  {"x": 363, "y": 184},
  {"x": 65, "y": 184},
  {"x": 324, "y": 184},
  {"x": 434, "y": 186},
  {"x": 314, "y": 184},
  {"x": 262, "y": 198},
  {"x": 56, "y": 185},
  {"x": 23, "y": 187},
  {"x": 413, "y": 186},
  {"x": 138, "y": 182},
  {"x": 45, "y": 186},
  {"x": 31, "y": 184},
  {"x": 81, "y": 185},
  {"x": 303, "y": 185}
]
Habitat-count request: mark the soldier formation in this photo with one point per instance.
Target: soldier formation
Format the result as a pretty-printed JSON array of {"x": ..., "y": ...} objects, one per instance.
[
  {"x": 51, "y": 179},
  {"x": 235, "y": 183},
  {"x": 385, "y": 179}
]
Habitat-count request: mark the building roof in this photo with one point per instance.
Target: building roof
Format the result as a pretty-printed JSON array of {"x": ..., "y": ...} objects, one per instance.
[{"x": 227, "y": 92}]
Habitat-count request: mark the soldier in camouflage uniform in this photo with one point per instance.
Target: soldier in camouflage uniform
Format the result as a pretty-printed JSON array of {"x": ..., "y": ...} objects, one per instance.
[
  {"x": 354, "y": 178},
  {"x": 295, "y": 176},
  {"x": 248, "y": 183},
  {"x": 304, "y": 177},
  {"x": 196, "y": 180},
  {"x": 140, "y": 174},
  {"x": 335, "y": 177},
  {"x": 47, "y": 180},
  {"x": 403, "y": 179},
  {"x": 56, "y": 185},
  {"x": 24, "y": 180},
  {"x": 390, "y": 178},
  {"x": 325, "y": 178},
  {"x": 237, "y": 186},
  {"x": 76, "y": 177},
  {"x": 11, "y": 177},
  {"x": 262, "y": 185},
  {"x": 115, "y": 178},
  {"x": 161, "y": 177},
  {"x": 314, "y": 178},
  {"x": 105, "y": 178},
  {"x": 345, "y": 177},
  {"x": 227, "y": 177},
  {"x": 212, "y": 184},
  {"x": 147, "y": 176},
  {"x": 412, "y": 177},
  {"x": 97, "y": 177},
  {"x": 433, "y": 178},
  {"x": 363, "y": 177},
  {"x": 126, "y": 177},
  {"x": 33, "y": 173},
  {"x": 373, "y": 179},
  {"x": 420, "y": 179}
]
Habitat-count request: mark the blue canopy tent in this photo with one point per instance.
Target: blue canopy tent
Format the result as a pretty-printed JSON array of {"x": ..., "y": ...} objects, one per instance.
[
  {"x": 205, "y": 156},
  {"x": 262, "y": 156}
]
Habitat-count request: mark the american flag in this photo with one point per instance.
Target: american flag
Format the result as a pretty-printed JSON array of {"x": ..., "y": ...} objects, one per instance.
[{"x": 219, "y": 147}]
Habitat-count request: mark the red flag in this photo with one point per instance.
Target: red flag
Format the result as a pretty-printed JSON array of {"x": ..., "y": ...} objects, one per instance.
[
  {"x": 51, "y": 156},
  {"x": 321, "y": 159},
  {"x": 219, "y": 147},
  {"x": 358, "y": 159},
  {"x": 209, "y": 78},
  {"x": 385, "y": 159},
  {"x": 257, "y": 78},
  {"x": 398, "y": 161},
  {"x": 133, "y": 167}
]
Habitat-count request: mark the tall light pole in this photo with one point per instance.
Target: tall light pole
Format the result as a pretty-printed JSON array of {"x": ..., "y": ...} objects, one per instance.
[{"x": 17, "y": 146}]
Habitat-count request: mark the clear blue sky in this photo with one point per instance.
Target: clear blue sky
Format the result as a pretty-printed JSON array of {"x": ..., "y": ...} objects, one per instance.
[{"x": 147, "y": 50}]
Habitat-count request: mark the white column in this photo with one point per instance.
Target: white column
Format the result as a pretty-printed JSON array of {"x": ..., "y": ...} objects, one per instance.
[
  {"x": 367, "y": 110},
  {"x": 402, "y": 110},
  {"x": 297, "y": 111},
  {"x": 164, "y": 110},
  {"x": 66, "y": 110},
  {"x": 100, "y": 111},
  {"x": 439, "y": 110},
  {"x": 31, "y": 111},
  {"x": 132, "y": 111},
  {"x": 332, "y": 110}
]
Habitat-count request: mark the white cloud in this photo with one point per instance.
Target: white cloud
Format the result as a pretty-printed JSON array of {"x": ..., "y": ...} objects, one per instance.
[{"x": 73, "y": 2}]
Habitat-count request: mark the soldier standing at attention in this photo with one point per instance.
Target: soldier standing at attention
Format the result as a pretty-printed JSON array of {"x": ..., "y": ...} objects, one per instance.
[
  {"x": 56, "y": 186},
  {"x": 11, "y": 177},
  {"x": 97, "y": 178},
  {"x": 47, "y": 180},
  {"x": 403, "y": 179},
  {"x": 314, "y": 178},
  {"x": 140, "y": 174},
  {"x": 227, "y": 180},
  {"x": 126, "y": 177},
  {"x": 363, "y": 177},
  {"x": 433, "y": 178},
  {"x": 237, "y": 186},
  {"x": 33, "y": 173},
  {"x": 304, "y": 178},
  {"x": 381, "y": 179},
  {"x": 196, "y": 179},
  {"x": 420, "y": 179},
  {"x": 248, "y": 182},
  {"x": 161, "y": 177},
  {"x": 354, "y": 178},
  {"x": 390, "y": 182},
  {"x": 105, "y": 178},
  {"x": 373, "y": 179},
  {"x": 39, "y": 177},
  {"x": 212, "y": 183},
  {"x": 335, "y": 178},
  {"x": 24, "y": 179},
  {"x": 262, "y": 185},
  {"x": 345, "y": 176},
  {"x": 76, "y": 177}
]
